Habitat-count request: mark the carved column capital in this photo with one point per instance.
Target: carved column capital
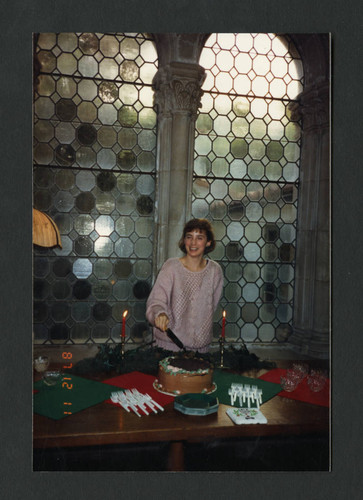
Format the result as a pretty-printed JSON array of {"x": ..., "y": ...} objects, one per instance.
[
  {"x": 177, "y": 88},
  {"x": 313, "y": 106}
]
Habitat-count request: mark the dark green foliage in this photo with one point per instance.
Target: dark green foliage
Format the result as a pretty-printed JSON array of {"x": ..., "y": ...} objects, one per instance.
[{"x": 146, "y": 359}]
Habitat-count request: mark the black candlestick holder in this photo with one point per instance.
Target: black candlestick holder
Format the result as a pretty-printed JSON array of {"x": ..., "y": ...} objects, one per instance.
[
  {"x": 122, "y": 347},
  {"x": 221, "y": 352}
]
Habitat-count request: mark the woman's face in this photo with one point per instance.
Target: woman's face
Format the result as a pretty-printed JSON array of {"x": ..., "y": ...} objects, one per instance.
[{"x": 195, "y": 242}]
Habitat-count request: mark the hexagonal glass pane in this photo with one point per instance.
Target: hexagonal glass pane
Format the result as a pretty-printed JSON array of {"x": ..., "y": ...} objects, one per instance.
[
  {"x": 88, "y": 66},
  {"x": 252, "y": 231},
  {"x": 106, "y": 158},
  {"x": 103, "y": 246},
  {"x": 232, "y": 292},
  {"x": 108, "y": 91},
  {"x": 249, "y": 332},
  {"x": 107, "y": 136},
  {"x": 104, "y": 225},
  {"x": 219, "y": 189},
  {"x": 109, "y": 46},
  {"x": 124, "y": 247},
  {"x": 147, "y": 118},
  {"x": 254, "y": 191},
  {"x": 88, "y": 43},
  {"x": 102, "y": 268},
  {"x": 239, "y": 148},
  {"x": 47, "y": 60},
  {"x": 235, "y": 231},
  {"x": 250, "y": 292},
  {"x": 286, "y": 273},
  {"x": 220, "y": 167},
  {"x": 218, "y": 209},
  {"x": 234, "y": 272},
  {"x": 126, "y": 204},
  {"x": 122, "y": 290},
  {"x": 126, "y": 183},
  {"x": 288, "y": 233},
  {"x": 271, "y": 212},
  {"x": 200, "y": 188},
  {"x": 251, "y": 272},
  {"x": 203, "y": 145},
  {"x": 105, "y": 203},
  {"x": 204, "y": 123},
  {"x": 236, "y": 210},
  {"x": 144, "y": 226},
  {"x": 143, "y": 248},
  {"x": 67, "y": 64},
  {"x": 253, "y": 211},
  {"x": 249, "y": 313},
  {"x": 124, "y": 226},
  {"x": 142, "y": 269},
  {"x": 107, "y": 114},
  {"x": 82, "y": 268},
  {"x": 252, "y": 252},
  {"x": 221, "y": 146},
  {"x": 43, "y": 154},
  {"x": 84, "y": 224},
  {"x": 200, "y": 209},
  {"x": 129, "y": 71},
  {"x": 87, "y": 90},
  {"x": 46, "y": 85},
  {"x": 147, "y": 140},
  {"x": 266, "y": 333}
]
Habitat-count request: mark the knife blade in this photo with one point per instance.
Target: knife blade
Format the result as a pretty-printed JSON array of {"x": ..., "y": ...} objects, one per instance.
[{"x": 175, "y": 339}]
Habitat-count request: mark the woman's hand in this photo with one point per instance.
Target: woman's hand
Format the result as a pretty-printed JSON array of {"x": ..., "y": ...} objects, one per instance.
[{"x": 162, "y": 322}]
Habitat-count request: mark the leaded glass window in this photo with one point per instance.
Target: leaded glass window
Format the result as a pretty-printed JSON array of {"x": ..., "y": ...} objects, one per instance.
[
  {"x": 94, "y": 174},
  {"x": 246, "y": 177}
]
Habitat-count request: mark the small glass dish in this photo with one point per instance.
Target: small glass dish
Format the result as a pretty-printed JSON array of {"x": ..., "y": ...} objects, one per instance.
[
  {"x": 317, "y": 380},
  {"x": 52, "y": 378},
  {"x": 41, "y": 363},
  {"x": 289, "y": 384},
  {"x": 296, "y": 375},
  {"x": 301, "y": 368}
]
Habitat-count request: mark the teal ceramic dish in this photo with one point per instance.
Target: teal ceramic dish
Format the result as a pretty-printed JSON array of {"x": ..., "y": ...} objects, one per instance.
[
  {"x": 196, "y": 404},
  {"x": 52, "y": 378}
]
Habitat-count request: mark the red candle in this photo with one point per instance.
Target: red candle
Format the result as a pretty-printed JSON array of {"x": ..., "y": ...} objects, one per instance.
[
  {"x": 123, "y": 332},
  {"x": 224, "y": 324}
]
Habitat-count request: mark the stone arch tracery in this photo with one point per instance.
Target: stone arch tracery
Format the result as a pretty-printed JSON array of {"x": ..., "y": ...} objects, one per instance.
[{"x": 177, "y": 88}]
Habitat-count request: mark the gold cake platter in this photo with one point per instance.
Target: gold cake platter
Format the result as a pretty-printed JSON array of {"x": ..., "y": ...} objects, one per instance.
[{"x": 156, "y": 387}]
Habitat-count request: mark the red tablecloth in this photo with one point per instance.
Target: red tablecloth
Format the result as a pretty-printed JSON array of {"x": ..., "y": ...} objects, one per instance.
[
  {"x": 302, "y": 392},
  {"x": 143, "y": 383}
]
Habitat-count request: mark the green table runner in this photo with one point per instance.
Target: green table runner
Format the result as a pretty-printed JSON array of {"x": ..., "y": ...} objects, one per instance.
[
  {"x": 73, "y": 394},
  {"x": 224, "y": 380}
]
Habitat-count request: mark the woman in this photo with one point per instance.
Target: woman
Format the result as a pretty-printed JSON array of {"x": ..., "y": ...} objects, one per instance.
[{"x": 187, "y": 291}]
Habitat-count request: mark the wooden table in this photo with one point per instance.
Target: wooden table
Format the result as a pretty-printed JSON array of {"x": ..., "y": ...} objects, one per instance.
[{"x": 105, "y": 424}]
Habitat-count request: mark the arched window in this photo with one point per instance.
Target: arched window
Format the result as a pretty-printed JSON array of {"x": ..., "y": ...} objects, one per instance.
[
  {"x": 246, "y": 177},
  {"x": 94, "y": 174}
]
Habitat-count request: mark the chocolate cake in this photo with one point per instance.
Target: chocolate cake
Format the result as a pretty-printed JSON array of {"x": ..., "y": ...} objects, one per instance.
[{"x": 181, "y": 375}]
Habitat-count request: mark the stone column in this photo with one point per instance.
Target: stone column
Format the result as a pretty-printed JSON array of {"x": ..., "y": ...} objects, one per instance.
[
  {"x": 177, "y": 88},
  {"x": 311, "y": 329}
]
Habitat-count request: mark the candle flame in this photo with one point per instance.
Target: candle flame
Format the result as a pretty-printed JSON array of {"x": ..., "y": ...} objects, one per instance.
[
  {"x": 125, "y": 314},
  {"x": 224, "y": 314}
]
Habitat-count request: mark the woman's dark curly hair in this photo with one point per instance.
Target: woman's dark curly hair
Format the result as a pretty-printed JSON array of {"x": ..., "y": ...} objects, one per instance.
[{"x": 201, "y": 225}]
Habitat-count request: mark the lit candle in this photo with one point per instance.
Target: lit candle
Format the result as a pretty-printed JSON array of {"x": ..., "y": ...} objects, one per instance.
[
  {"x": 123, "y": 332},
  {"x": 224, "y": 324}
]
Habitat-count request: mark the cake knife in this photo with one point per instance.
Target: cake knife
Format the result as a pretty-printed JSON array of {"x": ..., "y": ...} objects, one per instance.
[{"x": 175, "y": 339}]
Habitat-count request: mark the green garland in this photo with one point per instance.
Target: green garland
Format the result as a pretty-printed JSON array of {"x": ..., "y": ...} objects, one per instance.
[{"x": 145, "y": 358}]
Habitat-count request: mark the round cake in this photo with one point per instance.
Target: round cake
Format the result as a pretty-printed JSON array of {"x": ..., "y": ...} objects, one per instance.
[{"x": 180, "y": 375}]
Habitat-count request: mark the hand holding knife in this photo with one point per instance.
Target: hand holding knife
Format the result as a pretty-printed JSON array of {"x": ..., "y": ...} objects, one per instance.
[
  {"x": 175, "y": 339},
  {"x": 162, "y": 322}
]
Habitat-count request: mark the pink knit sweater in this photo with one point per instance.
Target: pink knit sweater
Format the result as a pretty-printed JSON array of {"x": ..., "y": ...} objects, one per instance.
[{"x": 189, "y": 299}]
